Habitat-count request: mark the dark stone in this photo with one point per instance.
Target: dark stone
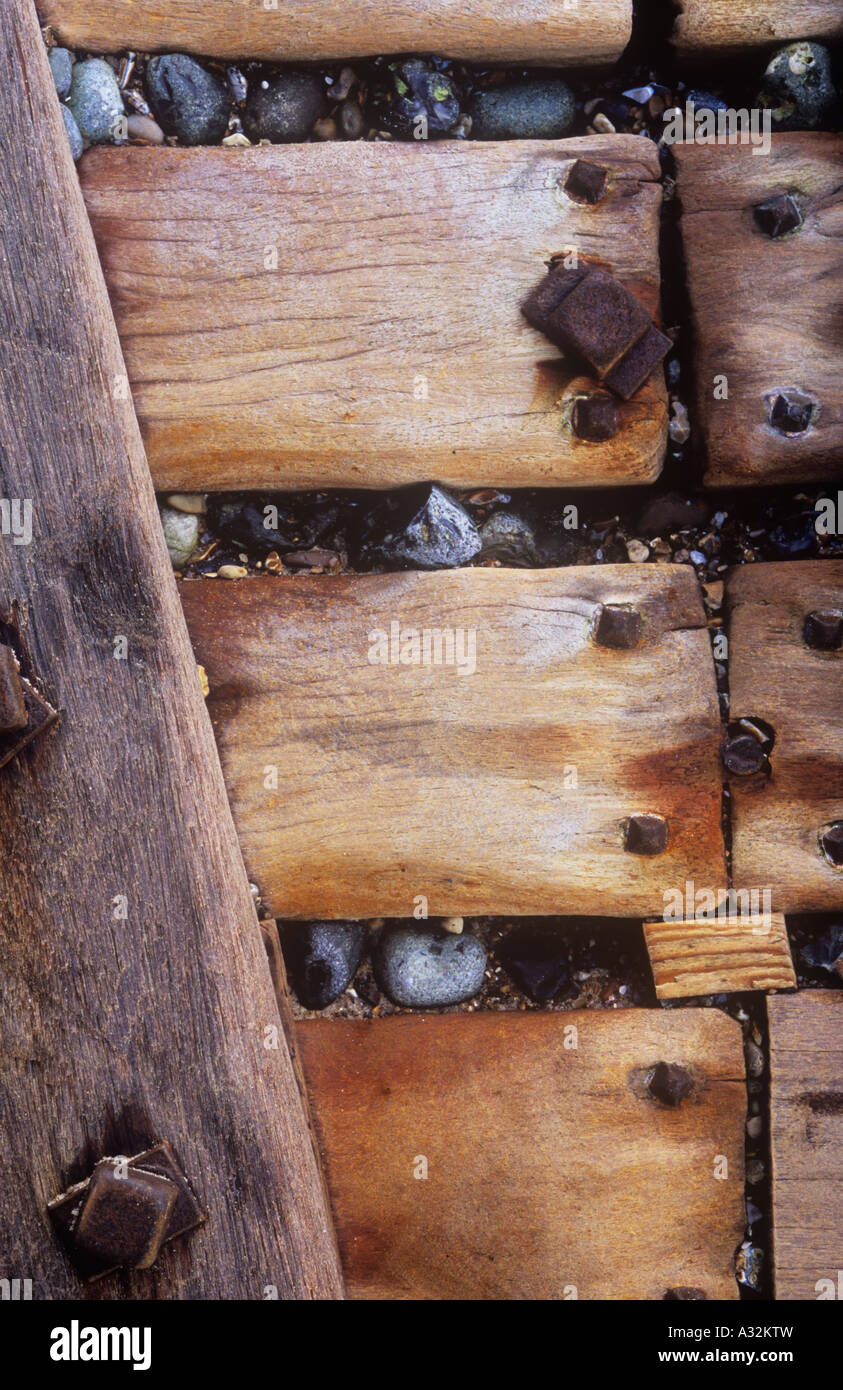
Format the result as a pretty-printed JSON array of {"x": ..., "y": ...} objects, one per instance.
[
  {"x": 61, "y": 66},
  {"x": 823, "y": 630},
  {"x": 796, "y": 536},
  {"x": 743, "y": 754},
  {"x": 302, "y": 522},
  {"x": 420, "y": 102},
  {"x": 537, "y": 961},
  {"x": 351, "y": 119},
  {"x": 428, "y": 967},
  {"x": 534, "y": 108},
  {"x": 510, "y": 539},
  {"x": 672, "y": 512},
  {"x": 420, "y": 527},
  {"x": 791, "y": 411},
  {"x": 831, "y": 843},
  {"x": 617, "y": 626},
  {"x": 595, "y": 418},
  {"x": 778, "y": 216},
  {"x": 824, "y": 952},
  {"x": 798, "y": 88},
  {"x": 586, "y": 182},
  {"x": 705, "y": 101},
  {"x": 322, "y": 958},
  {"x": 188, "y": 100},
  {"x": 286, "y": 109},
  {"x": 646, "y": 834},
  {"x": 670, "y": 1083}
]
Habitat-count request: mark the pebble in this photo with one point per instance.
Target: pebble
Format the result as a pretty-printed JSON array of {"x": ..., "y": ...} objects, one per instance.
[
  {"x": 352, "y": 121},
  {"x": 300, "y": 523},
  {"x": 95, "y": 101},
  {"x": 285, "y": 108},
  {"x": 420, "y": 527},
  {"x": 672, "y": 512},
  {"x": 428, "y": 968},
  {"x": 531, "y": 109},
  {"x": 61, "y": 66},
  {"x": 325, "y": 129},
  {"x": 232, "y": 572},
  {"x": 798, "y": 87},
  {"x": 538, "y": 962},
  {"x": 181, "y": 532},
  {"x": 144, "y": 128},
  {"x": 637, "y": 551},
  {"x": 825, "y": 952},
  {"x": 419, "y": 102},
  {"x": 679, "y": 427},
  {"x": 322, "y": 959},
  {"x": 510, "y": 539},
  {"x": 188, "y": 100},
  {"x": 452, "y": 924},
  {"x": 73, "y": 135},
  {"x": 192, "y": 502}
]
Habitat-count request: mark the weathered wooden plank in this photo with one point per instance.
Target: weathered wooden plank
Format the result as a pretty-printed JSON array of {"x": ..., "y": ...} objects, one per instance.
[
  {"x": 775, "y": 676},
  {"x": 721, "y": 26},
  {"x": 349, "y": 314},
  {"x": 504, "y": 789},
  {"x": 806, "y": 1134},
  {"x": 527, "y": 31},
  {"x": 719, "y": 955},
  {"x": 763, "y": 310},
  {"x": 135, "y": 988},
  {"x": 550, "y": 1172}
]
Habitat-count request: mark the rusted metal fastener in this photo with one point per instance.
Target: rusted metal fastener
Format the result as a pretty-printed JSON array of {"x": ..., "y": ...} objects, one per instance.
[
  {"x": 831, "y": 843},
  {"x": 121, "y": 1215},
  {"x": 594, "y": 418},
  {"x": 24, "y": 712},
  {"x": 747, "y": 746},
  {"x": 778, "y": 216},
  {"x": 586, "y": 182},
  {"x": 684, "y": 1293},
  {"x": 669, "y": 1083},
  {"x": 823, "y": 630},
  {"x": 617, "y": 625},
  {"x": 629, "y": 374},
  {"x": 13, "y": 715},
  {"x": 791, "y": 411},
  {"x": 548, "y": 295},
  {"x": 646, "y": 834}
]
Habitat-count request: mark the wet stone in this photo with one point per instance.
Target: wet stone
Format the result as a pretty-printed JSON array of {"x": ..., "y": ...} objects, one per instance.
[
  {"x": 790, "y": 411},
  {"x": 275, "y": 523},
  {"x": 646, "y": 834},
  {"x": 510, "y": 539},
  {"x": 537, "y": 962},
  {"x": 823, "y": 630},
  {"x": 586, "y": 182},
  {"x": 181, "y": 533},
  {"x": 284, "y": 109},
  {"x": 418, "y": 101},
  {"x": 420, "y": 527},
  {"x": 188, "y": 100},
  {"x": 798, "y": 88},
  {"x": 825, "y": 951},
  {"x": 530, "y": 109},
  {"x": 322, "y": 959},
  {"x": 428, "y": 968},
  {"x": 595, "y": 418},
  {"x": 95, "y": 101},
  {"x": 670, "y": 1083},
  {"x": 778, "y": 216},
  {"x": 617, "y": 626},
  {"x": 672, "y": 512}
]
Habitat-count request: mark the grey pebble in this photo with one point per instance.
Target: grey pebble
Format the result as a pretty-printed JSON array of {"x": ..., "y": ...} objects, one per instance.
[
  {"x": 61, "y": 66},
  {"x": 188, "y": 100},
  {"x": 181, "y": 532},
  {"x": 420, "y": 527},
  {"x": 508, "y": 538},
  {"x": 428, "y": 967},
  {"x": 532, "y": 109},
  {"x": 798, "y": 87},
  {"x": 322, "y": 958},
  {"x": 96, "y": 102},
  {"x": 76, "y": 144},
  {"x": 286, "y": 108}
]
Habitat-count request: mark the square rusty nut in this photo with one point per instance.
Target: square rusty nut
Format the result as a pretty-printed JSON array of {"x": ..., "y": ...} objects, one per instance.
[
  {"x": 629, "y": 374},
  {"x": 13, "y": 713},
  {"x": 39, "y": 717},
  {"x": 600, "y": 319},
  {"x": 646, "y": 834},
  {"x": 595, "y": 418},
  {"x": 124, "y": 1216},
  {"x": 823, "y": 630},
  {"x": 586, "y": 182},
  {"x": 618, "y": 626},
  {"x": 548, "y": 295}
]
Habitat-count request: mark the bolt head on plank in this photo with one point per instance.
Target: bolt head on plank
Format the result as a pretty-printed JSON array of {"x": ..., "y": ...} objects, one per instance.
[
  {"x": 586, "y": 182},
  {"x": 594, "y": 418},
  {"x": 549, "y": 293},
  {"x": 670, "y": 1083},
  {"x": 646, "y": 834},
  {"x": 823, "y": 630},
  {"x": 618, "y": 626},
  {"x": 778, "y": 216},
  {"x": 791, "y": 411},
  {"x": 125, "y": 1215}
]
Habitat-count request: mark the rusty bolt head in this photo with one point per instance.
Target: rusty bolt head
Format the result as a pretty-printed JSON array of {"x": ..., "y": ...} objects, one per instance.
[
  {"x": 646, "y": 834},
  {"x": 823, "y": 630},
  {"x": 684, "y": 1293},
  {"x": 617, "y": 625},
  {"x": 586, "y": 182},
  {"x": 778, "y": 216},
  {"x": 669, "y": 1083},
  {"x": 791, "y": 411},
  {"x": 747, "y": 746},
  {"x": 831, "y": 843},
  {"x": 600, "y": 320},
  {"x": 125, "y": 1215},
  {"x": 629, "y": 374},
  {"x": 541, "y": 302},
  {"x": 594, "y": 418},
  {"x": 13, "y": 713}
]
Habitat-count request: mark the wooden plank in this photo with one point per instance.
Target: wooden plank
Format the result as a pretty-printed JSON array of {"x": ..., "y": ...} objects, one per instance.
[
  {"x": 719, "y": 956},
  {"x": 774, "y": 676},
  {"x": 387, "y": 344},
  {"x": 762, "y": 311},
  {"x": 720, "y": 26},
  {"x": 551, "y": 1173},
  {"x": 136, "y": 994},
  {"x": 526, "y": 31},
  {"x": 806, "y": 1134},
  {"x": 396, "y": 780}
]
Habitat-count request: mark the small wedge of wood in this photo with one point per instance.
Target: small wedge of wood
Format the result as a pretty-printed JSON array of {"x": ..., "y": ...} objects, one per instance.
[
  {"x": 719, "y": 956},
  {"x": 359, "y": 780},
  {"x": 705, "y": 27},
  {"x": 806, "y": 1137},
  {"x": 523, "y": 31},
  {"x": 502, "y": 1156},
  {"x": 763, "y": 308},
  {"x": 350, "y": 314},
  {"x": 776, "y": 677}
]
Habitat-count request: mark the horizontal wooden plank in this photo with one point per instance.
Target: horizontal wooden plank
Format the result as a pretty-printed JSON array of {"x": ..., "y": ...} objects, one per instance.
[
  {"x": 349, "y": 314},
  {"x": 774, "y": 676},
  {"x": 504, "y": 790},
  {"x": 719, "y": 956},
  {"x": 526, "y": 31},
  {"x": 763, "y": 309},
  {"x": 806, "y": 1135},
  {"x": 710, "y": 27},
  {"x": 550, "y": 1172}
]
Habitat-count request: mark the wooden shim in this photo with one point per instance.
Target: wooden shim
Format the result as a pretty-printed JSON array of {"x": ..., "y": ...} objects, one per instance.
[
  {"x": 387, "y": 345},
  {"x": 525, "y": 31},
  {"x": 397, "y": 780},
  {"x": 720, "y": 26},
  {"x": 118, "y": 1032},
  {"x": 763, "y": 309},
  {"x": 774, "y": 676},
  {"x": 720, "y": 956},
  {"x": 806, "y": 1131},
  {"x": 549, "y": 1168}
]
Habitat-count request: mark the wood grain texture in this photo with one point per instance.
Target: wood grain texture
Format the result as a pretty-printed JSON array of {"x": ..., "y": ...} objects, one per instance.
[
  {"x": 774, "y": 676},
  {"x": 806, "y": 1133},
  {"x": 115, "y": 1032},
  {"x": 549, "y": 1167},
  {"x": 527, "y": 31},
  {"x": 721, "y": 26},
  {"x": 398, "y": 780},
  {"x": 764, "y": 310},
  {"x": 701, "y": 956},
  {"x": 387, "y": 343}
]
